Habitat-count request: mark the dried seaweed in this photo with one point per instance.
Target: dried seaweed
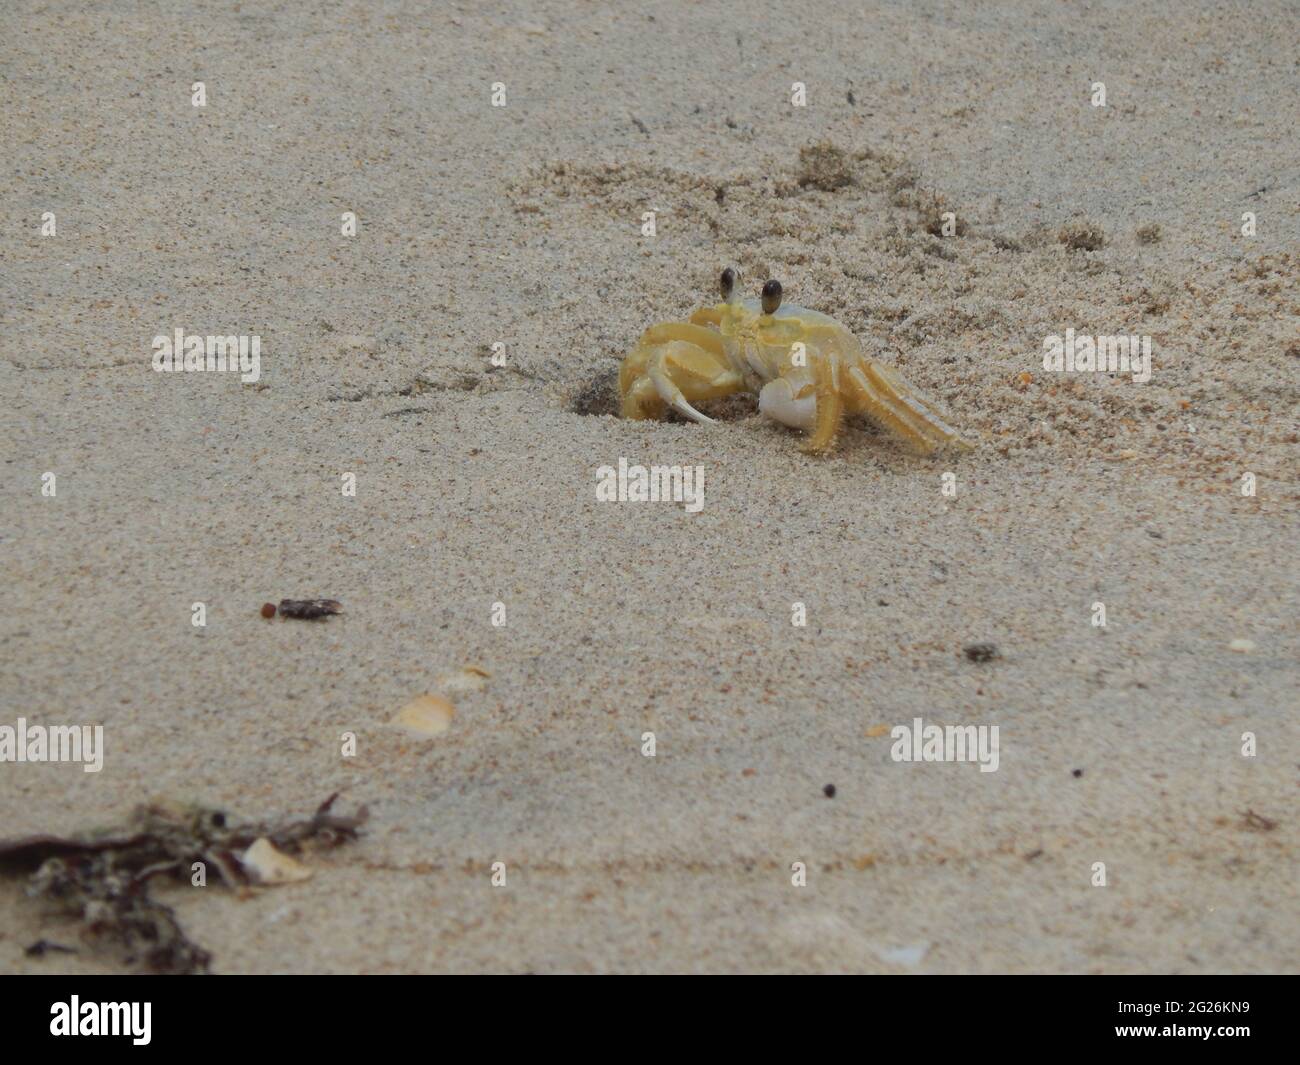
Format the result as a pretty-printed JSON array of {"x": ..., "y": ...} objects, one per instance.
[
  {"x": 309, "y": 609},
  {"x": 43, "y": 947},
  {"x": 104, "y": 878}
]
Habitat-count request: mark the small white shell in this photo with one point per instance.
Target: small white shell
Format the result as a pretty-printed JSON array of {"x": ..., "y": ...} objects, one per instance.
[{"x": 425, "y": 716}]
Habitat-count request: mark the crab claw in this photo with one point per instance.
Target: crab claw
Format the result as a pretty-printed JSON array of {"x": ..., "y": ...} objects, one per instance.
[
  {"x": 672, "y": 395},
  {"x": 780, "y": 401},
  {"x": 675, "y": 363}
]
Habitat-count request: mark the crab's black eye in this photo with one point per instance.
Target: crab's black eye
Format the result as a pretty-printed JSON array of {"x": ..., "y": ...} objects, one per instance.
[
  {"x": 771, "y": 297},
  {"x": 727, "y": 283}
]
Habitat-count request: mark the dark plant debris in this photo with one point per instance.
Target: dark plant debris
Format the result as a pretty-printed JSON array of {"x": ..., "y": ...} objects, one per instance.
[
  {"x": 43, "y": 947},
  {"x": 309, "y": 609},
  {"x": 981, "y": 652},
  {"x": 1257, "y": 822},
  {"x": 104, "y": 877}
]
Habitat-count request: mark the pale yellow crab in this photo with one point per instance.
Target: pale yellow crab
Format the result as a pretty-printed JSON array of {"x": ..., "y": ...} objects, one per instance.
[{"x": 808, "y": 371}]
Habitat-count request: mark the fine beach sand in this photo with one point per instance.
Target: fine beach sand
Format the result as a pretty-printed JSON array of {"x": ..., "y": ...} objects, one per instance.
[{"x": 522, "y": 225}]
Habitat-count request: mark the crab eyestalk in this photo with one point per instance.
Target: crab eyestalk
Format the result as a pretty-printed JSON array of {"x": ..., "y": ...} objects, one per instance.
[{"x": 771, "y": 297}]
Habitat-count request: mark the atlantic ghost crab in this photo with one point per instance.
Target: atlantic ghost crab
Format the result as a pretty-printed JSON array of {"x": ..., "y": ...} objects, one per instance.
[{"x": 808, "y": 371}]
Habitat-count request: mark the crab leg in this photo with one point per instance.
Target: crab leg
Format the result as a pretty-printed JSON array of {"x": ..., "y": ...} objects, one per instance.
[
  {"x": 830, "y": 402},
  {"x": 886, "y": 398},
  {"x": 707, "y": 316},
  {"x": 641, "y": 400},
  {"x": 708, "y": 339}
]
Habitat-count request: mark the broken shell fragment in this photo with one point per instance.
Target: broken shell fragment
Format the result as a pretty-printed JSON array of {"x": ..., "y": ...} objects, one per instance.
[
  {"x": 266, "y": 865},
  {"x": 426, "y": 715},
  {"x": 468, "y": 679}
]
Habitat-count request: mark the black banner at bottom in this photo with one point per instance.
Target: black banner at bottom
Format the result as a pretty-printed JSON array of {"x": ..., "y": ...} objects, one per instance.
[{"x": 343, "y": 1014}]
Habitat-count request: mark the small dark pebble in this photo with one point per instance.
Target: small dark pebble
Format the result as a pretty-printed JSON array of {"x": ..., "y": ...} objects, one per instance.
[
  {"x": 1076, "y": 773},
  {"x": 981, "y": 652},
  {"x": 829, "y": 791},
  {"x": 309, "y": 609},
  {"x": 268, "y": 610},
  {"x": 1034, "y": 854}
]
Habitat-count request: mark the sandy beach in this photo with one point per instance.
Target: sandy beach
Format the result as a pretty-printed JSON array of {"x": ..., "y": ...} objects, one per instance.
[{"x": 434, "y": 220}]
